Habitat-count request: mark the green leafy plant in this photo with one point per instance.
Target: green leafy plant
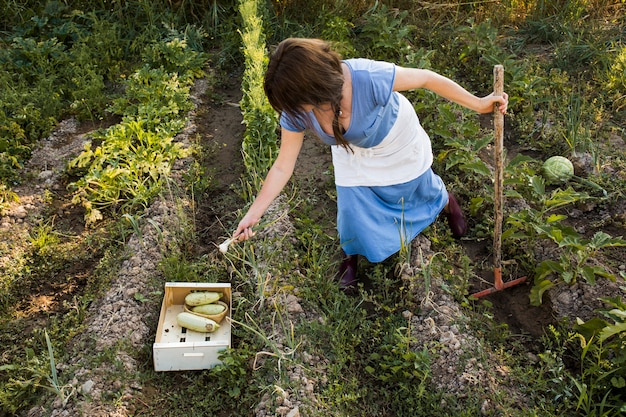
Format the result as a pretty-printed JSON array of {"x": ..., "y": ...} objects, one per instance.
[
  {"x": 44, "y": 239},
  {"x": 6, "y": 197},
  {"x": 458, "y": 141},
  {"x": 463, "y": 140},
  {"x": 574, "y": 261},
  {"x": 176, "y": 267},
  {"x": 175, "y": 56},
  {"x": 59, "y": 61},
  {"x": 478, "y": 51},
  {"x": 21, "y": 383},
  {"x": 553, "y": 372},
  {"x": 384, "y": 34},
  {"x": 531, "y": 224},
  {"x": 125, "y": 171},
  {"x": 602, "y": 378},
  {"x": 232, "y": 376},
  {"x": 14, "y": 148},
  {"x": 155, "y": 97},
  {"x": 339, "y": 30}
]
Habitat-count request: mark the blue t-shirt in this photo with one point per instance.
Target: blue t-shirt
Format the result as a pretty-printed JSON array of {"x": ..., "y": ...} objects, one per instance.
[{"x": 374, "y": 105}]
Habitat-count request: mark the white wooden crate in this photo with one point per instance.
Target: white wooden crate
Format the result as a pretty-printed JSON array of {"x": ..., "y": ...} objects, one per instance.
[{"x": 178, "y": 349}]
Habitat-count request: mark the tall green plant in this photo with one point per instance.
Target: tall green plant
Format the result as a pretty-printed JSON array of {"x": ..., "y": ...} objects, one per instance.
[
  {"x": 398, "y": 366},
  {"x": 259, "y": 145}
]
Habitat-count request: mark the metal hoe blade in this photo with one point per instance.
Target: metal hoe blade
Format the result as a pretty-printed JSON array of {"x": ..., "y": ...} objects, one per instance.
[{"x": 498, "y": 124}]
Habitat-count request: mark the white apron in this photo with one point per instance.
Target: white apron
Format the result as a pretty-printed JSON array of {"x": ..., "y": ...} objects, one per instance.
[{"x": 403, "y": 155}]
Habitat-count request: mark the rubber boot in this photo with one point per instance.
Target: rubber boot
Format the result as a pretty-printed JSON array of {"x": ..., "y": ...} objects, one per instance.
[
  {"x": 347, "y": 273},
  {"x": 455, "y": 217}
]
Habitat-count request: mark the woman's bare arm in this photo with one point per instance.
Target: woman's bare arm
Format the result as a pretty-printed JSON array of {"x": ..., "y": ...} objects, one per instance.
[
  {"x": 412, "y": 78},
  {"x": 276, "y": 179}
]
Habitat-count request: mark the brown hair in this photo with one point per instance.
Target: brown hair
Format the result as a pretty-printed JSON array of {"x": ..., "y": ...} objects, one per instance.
[{"x": 305, "y": 71}]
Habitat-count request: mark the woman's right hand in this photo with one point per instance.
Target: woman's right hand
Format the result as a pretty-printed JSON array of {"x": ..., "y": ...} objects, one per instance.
[{"x": 244, "y": 229}]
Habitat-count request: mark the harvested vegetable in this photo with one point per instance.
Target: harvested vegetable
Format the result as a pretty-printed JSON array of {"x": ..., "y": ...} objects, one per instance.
[
  {"x": 224, "y": 245},
  {"x": 209, "y": 309},
  {"x": 196, "y": 323},
  {"x": 199, "y": 298}
]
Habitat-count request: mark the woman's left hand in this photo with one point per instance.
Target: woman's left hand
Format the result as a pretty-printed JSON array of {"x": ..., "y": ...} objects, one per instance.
[{"x": 491, "y": 100}]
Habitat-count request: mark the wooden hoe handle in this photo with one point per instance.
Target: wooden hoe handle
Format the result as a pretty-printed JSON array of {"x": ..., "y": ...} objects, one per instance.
[{"x": 498, "y": 125}]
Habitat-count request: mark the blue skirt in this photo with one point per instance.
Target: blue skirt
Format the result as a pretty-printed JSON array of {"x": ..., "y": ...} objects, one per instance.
[{"x": 377, "y": 221}]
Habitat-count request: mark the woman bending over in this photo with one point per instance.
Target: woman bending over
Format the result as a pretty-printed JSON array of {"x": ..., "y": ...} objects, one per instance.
[{"x": 387, "y": 192}]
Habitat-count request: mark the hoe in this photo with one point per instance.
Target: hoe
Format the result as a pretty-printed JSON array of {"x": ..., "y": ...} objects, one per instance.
[{"x": 498, "y": 124}]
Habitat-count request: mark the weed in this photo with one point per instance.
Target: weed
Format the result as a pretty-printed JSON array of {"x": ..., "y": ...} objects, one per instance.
[
  {"x": 576, "y": 139},
  {"x": 53, "y": 379},
  {"x": 399, "y": 365},
  {"x": 6, "y": 197},
  {"x": 176, "y": 268},
  {"x": 24, "y": 382},
  {"x": 545, "y": 30},
  {"x": 553, "y": 369},
  {"x": 338, "y": 30},
  {"x": 602, "y": 378},
  {"x": 14, "y": 150},
  {"x": 232, "y": 376},
  {"x": 276, "y": 350},
  {"x": 44, "y": 239},
  {"x": 197, "y": 180},
  {"x": 33, "y": 374}
]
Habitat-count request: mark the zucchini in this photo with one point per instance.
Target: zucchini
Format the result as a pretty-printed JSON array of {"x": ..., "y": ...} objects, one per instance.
[
  {"x": 199, "y": 298},
  {"x": 196, "y": 323},
  {"x": 209, "y": 309}
]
